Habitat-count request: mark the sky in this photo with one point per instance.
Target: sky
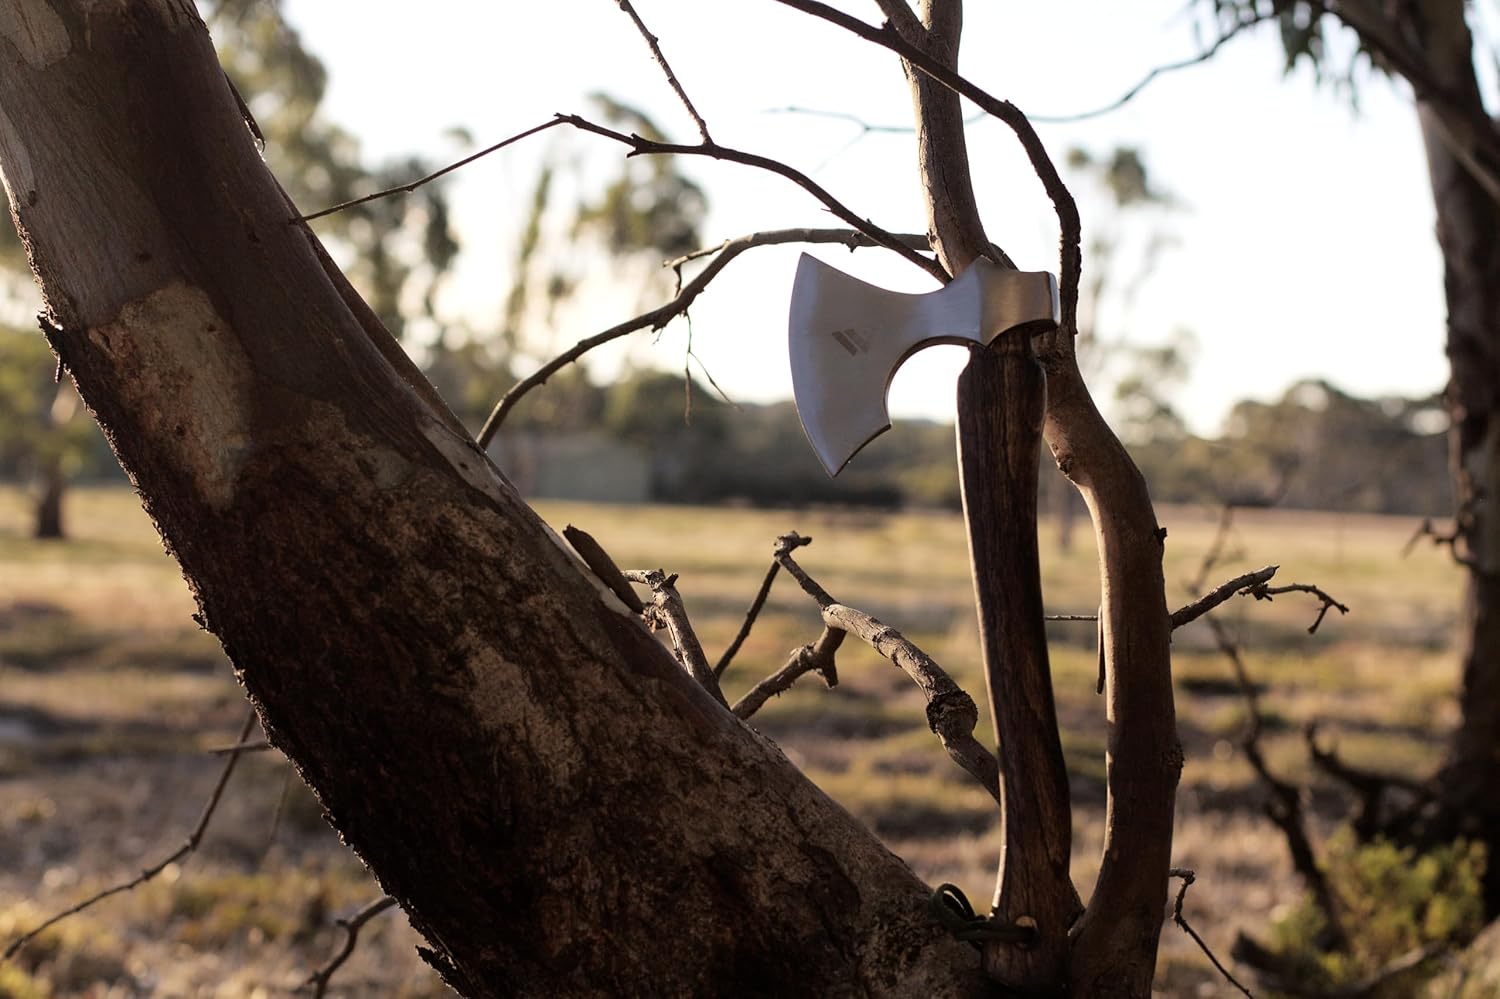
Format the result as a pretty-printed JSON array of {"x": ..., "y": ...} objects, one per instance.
[{"x": 1303, "y": 243}]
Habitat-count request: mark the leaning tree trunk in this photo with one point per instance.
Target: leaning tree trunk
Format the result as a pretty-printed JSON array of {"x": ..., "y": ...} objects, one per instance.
[{"x": 555, "y": 804}]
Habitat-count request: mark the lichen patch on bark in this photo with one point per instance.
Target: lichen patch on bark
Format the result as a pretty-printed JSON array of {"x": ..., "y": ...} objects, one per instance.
[
  {"x": 173, "y": 346},
  {"x": 501, "y": 703},
  {"x": 36, "y": 31}
]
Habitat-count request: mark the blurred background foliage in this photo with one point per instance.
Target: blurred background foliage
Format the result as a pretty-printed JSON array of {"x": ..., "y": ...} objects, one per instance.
[{"x": 617, "y": 222}]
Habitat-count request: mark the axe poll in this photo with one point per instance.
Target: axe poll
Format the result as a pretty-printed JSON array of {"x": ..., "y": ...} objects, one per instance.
[{"x": 847, "y": 339}]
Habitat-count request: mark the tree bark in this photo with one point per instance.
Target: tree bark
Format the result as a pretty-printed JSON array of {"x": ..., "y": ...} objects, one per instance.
[
  {"x": 1468, "y": 231},
  {"x": 1112, "y": 946},
  {"x": 556, "y": 805}
]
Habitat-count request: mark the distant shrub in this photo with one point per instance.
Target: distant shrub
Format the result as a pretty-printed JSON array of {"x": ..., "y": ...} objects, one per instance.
[{"x": 1394, "y": 901}]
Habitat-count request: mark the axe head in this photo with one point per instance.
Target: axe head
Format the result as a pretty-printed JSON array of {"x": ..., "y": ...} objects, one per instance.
[{"x": 848, "y": 338}]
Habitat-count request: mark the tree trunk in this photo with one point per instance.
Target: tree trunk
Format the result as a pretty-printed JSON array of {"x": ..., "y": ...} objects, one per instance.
[
  {"x": 1468, "y": 230},
  {"x": 49, "y": 513},
  {"x": 557, "y": 807},
  {"x": 1110, "y": 950}
]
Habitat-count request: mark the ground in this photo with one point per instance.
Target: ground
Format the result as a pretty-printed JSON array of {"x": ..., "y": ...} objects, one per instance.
[{"x": 111, "y": 700}]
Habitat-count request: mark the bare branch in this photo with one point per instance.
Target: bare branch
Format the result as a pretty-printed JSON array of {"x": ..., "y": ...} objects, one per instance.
[
  {"x": 1369, "y": 787},
  {"x": 1188, "y": 877},
  {"x": 640, "y": 146},
  {"x": 191, "y": 844},
  {"x": 655, "y": 319},
  {"x": 887, "y": 36},
  {"x": 661, "y": 60},
  {"x": 668, "y": 609},
  {"x": 817, "y": 656},
  {"x": 851, "y": 238},
  {"x": 249, "y": 746},
  {"x": 1216, "y": 548},
  {"x": 318, "y": 980},
  {"x": 1171, "y": 67},
  {"x": 1426, "y": 529},
  {"x": 1263, "y": 592},
  {"x": 951, "y": 712},
  {"x": 1216, "y": 596},
  {"x": 421, "y": 181},
  {"x": 854, "y": 119},
  {"x": 646, "y": 147},
  {"x": 750, "y": 616},
  {"x": 1285, "y": 807}
]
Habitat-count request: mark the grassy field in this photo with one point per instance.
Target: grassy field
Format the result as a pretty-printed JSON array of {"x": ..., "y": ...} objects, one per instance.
[{"x": 110, "y": 698}]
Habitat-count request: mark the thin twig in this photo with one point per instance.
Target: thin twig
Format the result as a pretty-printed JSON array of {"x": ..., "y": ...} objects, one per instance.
[
  {"x": 1285, "y": 806},
  {"x": 1221, "y": 593},
  {"x": 1427, "y": 530},
  {"x": 640, "y": 146},
  {"x": 1216, "y": 548},
  {"x": 749, "y": 622},
  {"x": 1170, "y": 67},
  {"x": 817, "y": 657},
  {"x": 887, "y": 36},
  {"x": 852, "y": 238},
  {"x": 756, "y": 605},
  {"x": 318, "y": 980},
  {"x": 1188, "y": 877},
  {"x": 660, "y": 316},
  {"x": 712, "y": 381},
  {"x": 668, "y": 609},
  {"x": 853, "y": 119},
  {"x": 182, "y": 851},
  {"x": 1263, "y": 592},
  {"x": 951, "y": 712},
  {"x": 421, "y": 181},
  {"x": 278, "y": 813},
  {"x": 248, "y": 746},
  {"x": 661, "y": 60},
  {"x": 1070, "y": 617}
]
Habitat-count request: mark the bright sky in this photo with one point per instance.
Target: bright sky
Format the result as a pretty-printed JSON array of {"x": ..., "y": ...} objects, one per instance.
[{"x": 1306, "y": 248}]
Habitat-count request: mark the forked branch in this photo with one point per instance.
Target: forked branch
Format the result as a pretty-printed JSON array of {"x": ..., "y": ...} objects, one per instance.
[
  {"x": 351, "y": 925},
  {"x": 888, "y": 36},
  {"x": 816, "y": 657},
  {"x": 951, "y": 712},
  {"x": 667, "y": 610}
]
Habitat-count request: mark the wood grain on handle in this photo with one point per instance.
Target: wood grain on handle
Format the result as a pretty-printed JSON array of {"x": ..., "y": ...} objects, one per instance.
[{"x": 1001, "y": 401}]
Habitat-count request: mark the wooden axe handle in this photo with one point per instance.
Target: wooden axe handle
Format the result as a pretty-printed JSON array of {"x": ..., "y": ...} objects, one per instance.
[{"x": 1002, "y": 397}]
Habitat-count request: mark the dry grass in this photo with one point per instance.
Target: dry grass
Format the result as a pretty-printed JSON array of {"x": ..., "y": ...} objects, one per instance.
[{"x": 109, "y": 693}]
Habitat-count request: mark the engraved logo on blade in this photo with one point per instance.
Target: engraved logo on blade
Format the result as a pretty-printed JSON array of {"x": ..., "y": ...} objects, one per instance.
[{"x": 852, "y": 340}]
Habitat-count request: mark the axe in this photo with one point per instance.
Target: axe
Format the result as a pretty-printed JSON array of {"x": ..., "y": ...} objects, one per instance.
[{"x": 847, "y": 339}]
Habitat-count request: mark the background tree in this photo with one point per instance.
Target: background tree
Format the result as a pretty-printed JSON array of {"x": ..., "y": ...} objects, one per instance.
[
  {"x": 42, "y": 439},
  {"x": 1429, "y": 46}
]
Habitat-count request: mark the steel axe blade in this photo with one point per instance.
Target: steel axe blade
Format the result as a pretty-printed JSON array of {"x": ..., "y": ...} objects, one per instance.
[{"x": 848, "y": 338}]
